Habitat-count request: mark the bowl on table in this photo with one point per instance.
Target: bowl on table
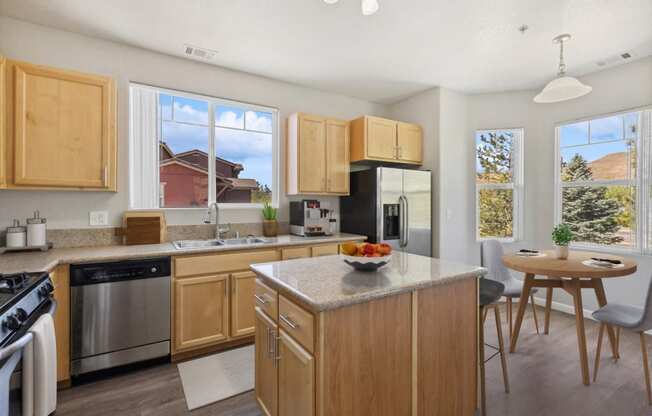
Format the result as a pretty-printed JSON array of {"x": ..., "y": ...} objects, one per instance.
[
  {"x": 367, "y": 264},
  {"x": 366, "y": 256}
]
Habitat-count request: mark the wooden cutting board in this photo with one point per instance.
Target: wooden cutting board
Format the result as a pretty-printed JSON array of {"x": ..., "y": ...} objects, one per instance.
[{"x": 144, "y": 227}]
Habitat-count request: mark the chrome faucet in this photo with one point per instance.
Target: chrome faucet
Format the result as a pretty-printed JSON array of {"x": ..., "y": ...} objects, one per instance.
[{"x": 218, "y": 230}]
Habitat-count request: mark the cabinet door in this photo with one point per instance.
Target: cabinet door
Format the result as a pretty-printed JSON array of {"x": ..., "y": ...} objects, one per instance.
[
  {"x": 296, "y": 379},
  {"x": 337, "y": 156},
  {"x": 328, "y": 250},
  {"x": 3, "y": 121},
  {"x": 243, "y": 287},
  {"x": 312, "y": 154},
  {"x": 410, "y": 142},
  {"x": 201, "y": 311},
  {"x": 381, "y": 138},
  {"x": 295, "y": 253},
  {"x": 64, "y": 126},
  {"x": 266, "y": 375},
  {"x": 61, "y": 281}
]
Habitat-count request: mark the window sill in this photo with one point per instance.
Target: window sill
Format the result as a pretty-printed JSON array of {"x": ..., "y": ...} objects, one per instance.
[
  {"x": 501, "y": 240},
  {"x": 621, "y": 251}
]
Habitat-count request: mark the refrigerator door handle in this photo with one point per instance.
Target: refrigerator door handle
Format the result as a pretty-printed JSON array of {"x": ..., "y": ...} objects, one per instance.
[
  {"x": 407, "y": 220},
  {"x": 403, "y": 220}
]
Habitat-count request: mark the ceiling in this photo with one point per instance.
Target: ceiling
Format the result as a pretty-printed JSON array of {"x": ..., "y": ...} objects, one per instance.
[{"x": 408, "y": 46}]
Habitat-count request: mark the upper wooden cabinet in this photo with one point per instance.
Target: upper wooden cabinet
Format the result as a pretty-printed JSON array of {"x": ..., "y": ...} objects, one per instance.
[
  {"x": 384, "y": 140},
  {"x": 317, "y": 155},
  {"x": 59, "y": 129}
]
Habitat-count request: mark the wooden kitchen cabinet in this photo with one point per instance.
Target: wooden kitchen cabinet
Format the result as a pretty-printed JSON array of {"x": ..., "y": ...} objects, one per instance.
[
  {"x": 61, "y": 282},
  {"x": 383, "y": 140},
  {"x": 295, "y": 253},
  {"x": 243, "y": 287},
  {"x": 201, "y": 311},
  {"x": 317, "y": 155},
  {"x": 60, "y": 129},
  {"x": 296, "y": 378},
  {"x": 266, "y": 375}
]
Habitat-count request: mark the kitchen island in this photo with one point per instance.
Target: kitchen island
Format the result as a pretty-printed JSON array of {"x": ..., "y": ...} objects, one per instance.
[{"x": 333, "y": 341}]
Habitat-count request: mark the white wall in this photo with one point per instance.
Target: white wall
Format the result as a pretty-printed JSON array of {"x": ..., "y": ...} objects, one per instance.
[
  {"x": 41, "y": 45},
  {"x": 423, "y": 109},
  {"x": 620, "y": 88}
]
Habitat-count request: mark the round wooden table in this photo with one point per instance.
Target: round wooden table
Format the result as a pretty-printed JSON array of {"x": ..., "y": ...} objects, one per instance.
[{"x": 572, "y": 276}]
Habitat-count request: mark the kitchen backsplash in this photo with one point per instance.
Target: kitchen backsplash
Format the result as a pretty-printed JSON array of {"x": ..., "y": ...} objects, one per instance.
[{"x": 94, "y": 237}]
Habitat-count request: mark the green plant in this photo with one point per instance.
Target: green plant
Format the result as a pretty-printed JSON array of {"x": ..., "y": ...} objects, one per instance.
[
  {"x": 562, "y": 235},
  {"x": 269, "y": 213}
]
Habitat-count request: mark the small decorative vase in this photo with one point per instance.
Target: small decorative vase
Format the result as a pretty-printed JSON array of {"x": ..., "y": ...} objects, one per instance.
[
  {"x": 561, "y": 252},
  {"x": 270, "y": 228}
]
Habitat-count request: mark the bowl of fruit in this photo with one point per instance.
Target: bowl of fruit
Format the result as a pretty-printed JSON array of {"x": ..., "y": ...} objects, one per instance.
[{"x": 366, "y": 257}]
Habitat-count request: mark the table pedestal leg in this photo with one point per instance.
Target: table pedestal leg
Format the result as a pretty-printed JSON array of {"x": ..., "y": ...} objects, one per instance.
[
  {"x": 527, "y": 286},
  {"x": 602, "y": 301},
  {"x": 575, "y": 286}
]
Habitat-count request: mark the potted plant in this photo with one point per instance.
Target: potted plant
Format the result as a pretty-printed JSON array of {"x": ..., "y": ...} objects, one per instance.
[
  {"x": 562, "y": 236},
  {"x": 270, "y": 225}
]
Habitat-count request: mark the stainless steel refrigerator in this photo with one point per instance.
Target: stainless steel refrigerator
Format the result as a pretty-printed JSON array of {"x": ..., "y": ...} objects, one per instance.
[{"x": 392, "y": 206}]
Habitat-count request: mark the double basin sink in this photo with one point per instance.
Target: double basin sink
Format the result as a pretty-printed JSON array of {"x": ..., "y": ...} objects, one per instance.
[{"x": 190, "y": 244}]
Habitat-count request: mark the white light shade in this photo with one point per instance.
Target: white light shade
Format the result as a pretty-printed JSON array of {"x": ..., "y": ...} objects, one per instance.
[
  {"x": 369, "y": 7},
  {"x": 330, "y": 1},
  {"x": 562, "y": 89}
]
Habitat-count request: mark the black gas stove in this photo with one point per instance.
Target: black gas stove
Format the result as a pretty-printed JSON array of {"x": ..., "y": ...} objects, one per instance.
[{"x": 22, "y": 295}]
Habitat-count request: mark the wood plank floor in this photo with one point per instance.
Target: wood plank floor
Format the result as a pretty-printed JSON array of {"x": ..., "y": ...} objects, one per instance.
[{"x": 544, "y": 376}]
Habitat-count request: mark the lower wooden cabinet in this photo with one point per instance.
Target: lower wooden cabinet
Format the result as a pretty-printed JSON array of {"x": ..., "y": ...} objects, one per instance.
[
  {"x": 243, "y": 287},
  {"x": 201, "y": 311},
  {"x": 295, "y": 253},
  {"x": 61, "y": 281},
  {"x": 296, "y": 378},
  {"x": 266, "y": 378}
]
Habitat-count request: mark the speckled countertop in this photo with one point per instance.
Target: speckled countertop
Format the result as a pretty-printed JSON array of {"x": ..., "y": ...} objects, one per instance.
[
  {"x": 324, "y": 283},
  {"x": 40, "y": 261}
]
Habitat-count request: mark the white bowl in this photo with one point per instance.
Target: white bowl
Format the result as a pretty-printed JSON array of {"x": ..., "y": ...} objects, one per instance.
[{"x": 367, "y": 263}]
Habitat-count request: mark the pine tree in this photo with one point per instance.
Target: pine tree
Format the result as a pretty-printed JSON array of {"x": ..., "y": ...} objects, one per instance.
[{"x": 590, "y": 213}]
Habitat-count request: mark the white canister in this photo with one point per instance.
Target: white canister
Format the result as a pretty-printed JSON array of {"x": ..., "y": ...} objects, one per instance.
[
  {"x": 16, "y": 235},
  {"x": 36, "y": 231}
]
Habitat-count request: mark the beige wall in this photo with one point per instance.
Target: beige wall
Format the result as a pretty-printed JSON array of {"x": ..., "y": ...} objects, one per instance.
[{"x": 41, "y": 45}]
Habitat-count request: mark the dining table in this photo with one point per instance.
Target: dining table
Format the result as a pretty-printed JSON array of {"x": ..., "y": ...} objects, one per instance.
[{"x": 578, "y": 271}]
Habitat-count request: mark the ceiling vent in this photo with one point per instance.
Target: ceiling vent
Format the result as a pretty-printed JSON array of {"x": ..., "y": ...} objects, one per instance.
[
  {"x": 616, "y": 59},
  {"x": 200, "y": 53}
]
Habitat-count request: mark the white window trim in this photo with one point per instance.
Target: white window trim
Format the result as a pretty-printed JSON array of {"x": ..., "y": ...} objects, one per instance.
[
  {"x": 643, "y": 184},
  {"x": 517, "y": 186},
  {"x": 212, "y": 102}
]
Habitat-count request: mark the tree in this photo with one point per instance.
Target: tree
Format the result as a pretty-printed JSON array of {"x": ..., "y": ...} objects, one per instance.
[
  {"x": 591, "y": 214},
  {"x": 494, "y": 152}
]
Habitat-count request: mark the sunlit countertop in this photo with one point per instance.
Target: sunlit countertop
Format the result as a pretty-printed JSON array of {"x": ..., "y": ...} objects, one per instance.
[{"x": 324, "y": 283}]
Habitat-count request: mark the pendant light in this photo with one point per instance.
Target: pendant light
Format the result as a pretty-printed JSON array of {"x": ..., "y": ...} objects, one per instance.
[
  {"x": 368, "y": 7},
  {"x": 562, "y": 88}
]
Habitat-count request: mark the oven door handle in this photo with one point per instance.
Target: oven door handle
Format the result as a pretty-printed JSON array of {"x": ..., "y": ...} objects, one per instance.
[
  {"x": 53, "y": 307},
  {"x": 17, "y": 345}
]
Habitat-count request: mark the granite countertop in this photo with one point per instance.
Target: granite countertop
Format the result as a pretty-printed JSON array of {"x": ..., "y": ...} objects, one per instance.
[
  {"x": 324, "y": 283},
  {"x": 46, "y": 261}
]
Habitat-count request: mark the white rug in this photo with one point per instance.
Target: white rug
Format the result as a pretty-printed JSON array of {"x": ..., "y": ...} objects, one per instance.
[{"x": 217, "y": 377}]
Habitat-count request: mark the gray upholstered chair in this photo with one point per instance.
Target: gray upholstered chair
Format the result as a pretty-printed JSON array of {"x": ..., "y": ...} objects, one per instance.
[
  {"x": 490, "y": 291},
  {"x": 631, "y": 318},
  {"x": 491, "y": 253}
]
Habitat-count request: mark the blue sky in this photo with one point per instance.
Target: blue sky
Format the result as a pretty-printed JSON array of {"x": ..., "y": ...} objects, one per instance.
[{"x": 252, "y": 149}]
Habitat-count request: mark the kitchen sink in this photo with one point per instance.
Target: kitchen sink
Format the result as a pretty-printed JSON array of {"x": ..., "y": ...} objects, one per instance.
[
  {"x": 244, "y": 241},
  {"x": 190, "y": 244},
  {"x": 198, "y": 244}
]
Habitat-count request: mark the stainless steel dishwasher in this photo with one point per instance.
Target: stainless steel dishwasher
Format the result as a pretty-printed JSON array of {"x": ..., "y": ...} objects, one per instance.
[{"x": 120, "y": 313}]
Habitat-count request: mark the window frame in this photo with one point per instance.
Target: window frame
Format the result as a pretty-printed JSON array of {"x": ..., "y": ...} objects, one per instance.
[
  {"x": 214, "y": 102},
  {"x": 642, "y": 183},
  {"x": 517, "y": 185}
]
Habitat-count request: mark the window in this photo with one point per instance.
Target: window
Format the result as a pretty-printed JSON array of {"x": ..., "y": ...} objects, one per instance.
[
  {"x": 499, "y": 183},
  {"x": 187, "y": 151},
  {"x": 603, "y": 179}
]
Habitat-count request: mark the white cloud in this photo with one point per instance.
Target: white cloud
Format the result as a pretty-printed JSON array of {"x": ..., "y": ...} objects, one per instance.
[
  {"x": 230, "y": 119},
  {"x": 259, "y": 121}
]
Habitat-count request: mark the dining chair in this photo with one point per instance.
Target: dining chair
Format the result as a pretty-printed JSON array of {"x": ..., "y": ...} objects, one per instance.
[
  {"x": 491, "y": 253},
  {"x": 490, "y": 293},
  {"x": 628, "y": 317}
]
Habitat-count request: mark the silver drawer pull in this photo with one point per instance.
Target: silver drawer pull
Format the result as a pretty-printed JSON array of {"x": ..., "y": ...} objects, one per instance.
[
  {"x": 261, "y": 299},
  {"x": 289, "y": 321}
]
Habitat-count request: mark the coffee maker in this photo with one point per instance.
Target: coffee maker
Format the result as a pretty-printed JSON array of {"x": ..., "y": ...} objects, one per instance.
[{"x": 308, "y": 218}]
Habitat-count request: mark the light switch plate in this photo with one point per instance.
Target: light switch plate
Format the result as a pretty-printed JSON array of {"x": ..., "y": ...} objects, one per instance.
[{"x": 98, "y": 218}]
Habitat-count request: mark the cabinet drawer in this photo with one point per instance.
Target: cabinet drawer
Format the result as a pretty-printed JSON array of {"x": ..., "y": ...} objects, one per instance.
[
  {"x": 328, "y": 250},
  {"x": 220, "y": 263},
  {"x": 295, "y": 253},
  {"x": 266, "y": 299},
  {"x": 296, "y": 322}
]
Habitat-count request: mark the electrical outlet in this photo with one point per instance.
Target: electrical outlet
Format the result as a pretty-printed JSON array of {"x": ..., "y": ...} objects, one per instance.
[{"x": 98, "y": 218}]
